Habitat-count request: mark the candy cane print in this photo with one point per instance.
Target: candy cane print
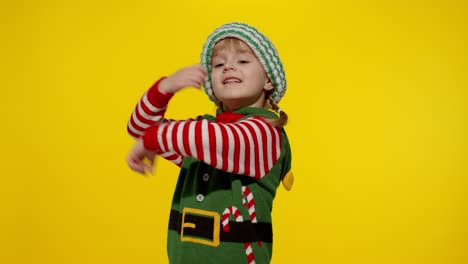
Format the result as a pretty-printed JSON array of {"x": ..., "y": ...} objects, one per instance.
[
  {"x": 249, "y": 202},
  {"x": 232, "y": 210}
]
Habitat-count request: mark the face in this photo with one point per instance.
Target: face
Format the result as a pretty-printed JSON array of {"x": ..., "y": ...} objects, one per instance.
[{"x": 238, "y": 78}]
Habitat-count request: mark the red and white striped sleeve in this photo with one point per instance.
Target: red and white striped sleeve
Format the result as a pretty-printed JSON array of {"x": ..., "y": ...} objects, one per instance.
[
  {"x": 149, "y": 111},
  {"x": 249, "y": 147}
]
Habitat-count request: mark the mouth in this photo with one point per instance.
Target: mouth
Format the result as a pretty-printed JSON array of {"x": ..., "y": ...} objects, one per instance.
[{"x": 231, "y": 80}]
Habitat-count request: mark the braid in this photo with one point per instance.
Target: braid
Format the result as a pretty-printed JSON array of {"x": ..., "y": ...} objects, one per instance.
[
  {"x": 273, "y": 105},
  {"x": 283, "y": 117}
]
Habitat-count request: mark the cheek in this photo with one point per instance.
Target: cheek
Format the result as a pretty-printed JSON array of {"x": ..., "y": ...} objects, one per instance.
[
  {"x": 214, "y": 75},
  {"x": 215, "y": 80}
]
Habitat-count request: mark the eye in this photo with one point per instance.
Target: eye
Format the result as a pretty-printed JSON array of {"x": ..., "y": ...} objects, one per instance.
[
  {"x": 218, "y": 65},
  {"x": 243, "y": 61}
]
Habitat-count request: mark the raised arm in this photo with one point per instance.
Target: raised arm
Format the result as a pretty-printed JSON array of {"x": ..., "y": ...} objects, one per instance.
[
  {"x": 152, "y": 106},
  {"x": 150, "y": 110}
]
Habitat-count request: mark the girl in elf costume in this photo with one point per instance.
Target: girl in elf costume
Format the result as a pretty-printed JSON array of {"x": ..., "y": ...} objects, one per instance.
[{"x": 232, "y": 163}]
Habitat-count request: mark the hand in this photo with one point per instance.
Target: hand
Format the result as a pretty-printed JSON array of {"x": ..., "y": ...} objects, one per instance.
[
  {"x": 192, "y": 76},
  {"x": 140, "y": 159}
]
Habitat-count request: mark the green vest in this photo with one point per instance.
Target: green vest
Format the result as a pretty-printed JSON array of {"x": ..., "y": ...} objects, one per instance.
[{"x": 203, "y": 193}]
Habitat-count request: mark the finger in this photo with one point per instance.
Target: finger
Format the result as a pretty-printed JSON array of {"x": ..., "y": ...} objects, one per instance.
[
  {"x": 135, "y": 158},
  {"x": 202, "y": 69},
  {"x": 202, "y": 78},
  {"x": 135, "y": 163},
  {"x": 136, "y": 166},
  {"x": 199, "y": 79},
  {"x": 151, "y": 157},
  {"x": 197, "y": 66},
  {"x": 198, "y": 69},
  {"x": 149, "y": 169},
  {"x": 196, "y": 84},
  {"x": 192, "y": 82}
]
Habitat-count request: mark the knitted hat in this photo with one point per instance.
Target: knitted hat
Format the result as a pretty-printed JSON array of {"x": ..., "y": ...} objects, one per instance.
[{"x": 260, "y": 45}]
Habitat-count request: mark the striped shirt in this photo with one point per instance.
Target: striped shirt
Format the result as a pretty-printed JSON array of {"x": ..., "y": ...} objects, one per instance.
[{"x": 248, "y": 147}]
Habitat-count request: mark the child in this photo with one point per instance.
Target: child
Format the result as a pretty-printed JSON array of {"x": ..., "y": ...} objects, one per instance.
[{"x": 231, "y": 164}]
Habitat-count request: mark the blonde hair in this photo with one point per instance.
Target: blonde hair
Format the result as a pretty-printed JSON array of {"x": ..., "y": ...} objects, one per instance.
[
  {"x": 235, "y": 44},
  {"x": 230, "y": 43}
]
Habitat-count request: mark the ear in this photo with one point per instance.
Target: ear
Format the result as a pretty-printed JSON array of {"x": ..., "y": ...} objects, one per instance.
[{"x": 268, "y": 86}]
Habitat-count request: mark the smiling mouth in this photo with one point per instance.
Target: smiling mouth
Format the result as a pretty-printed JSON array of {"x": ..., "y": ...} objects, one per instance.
[{"x": 231, "y": 80}]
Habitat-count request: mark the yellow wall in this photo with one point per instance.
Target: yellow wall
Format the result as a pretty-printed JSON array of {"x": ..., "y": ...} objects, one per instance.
[{"x": 377, "y": 102}]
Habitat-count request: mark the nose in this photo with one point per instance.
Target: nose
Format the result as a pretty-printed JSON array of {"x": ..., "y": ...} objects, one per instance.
[{"x": 228, "y": 67}]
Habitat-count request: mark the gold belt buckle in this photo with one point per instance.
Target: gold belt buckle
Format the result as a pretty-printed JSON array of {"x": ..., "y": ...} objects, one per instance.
[{"x": 216, "y": 227}]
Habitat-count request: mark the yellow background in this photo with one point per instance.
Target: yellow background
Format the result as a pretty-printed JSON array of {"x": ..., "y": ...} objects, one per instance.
[{"x": 376, "y": 97}]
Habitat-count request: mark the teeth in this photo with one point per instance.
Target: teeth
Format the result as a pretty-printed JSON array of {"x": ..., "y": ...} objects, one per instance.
[{"x": 231, "y": 80}]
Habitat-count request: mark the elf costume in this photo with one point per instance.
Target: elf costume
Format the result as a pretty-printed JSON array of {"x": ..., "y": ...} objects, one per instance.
[{"x": 231, "y": 165}]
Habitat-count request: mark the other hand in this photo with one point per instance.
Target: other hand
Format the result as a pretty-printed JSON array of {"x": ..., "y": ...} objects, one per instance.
[
  {"x": 191, "y": 76},
  {"x": 141, "y": 159}
]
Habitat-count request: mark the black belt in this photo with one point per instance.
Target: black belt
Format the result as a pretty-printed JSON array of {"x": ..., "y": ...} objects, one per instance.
[{"x": 199, "y": 224}]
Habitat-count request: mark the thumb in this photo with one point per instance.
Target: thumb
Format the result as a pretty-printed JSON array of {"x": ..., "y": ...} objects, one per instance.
[{"x": 151, "y": 160}]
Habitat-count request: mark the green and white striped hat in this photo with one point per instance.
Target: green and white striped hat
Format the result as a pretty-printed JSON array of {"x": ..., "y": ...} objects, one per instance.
[{"x": 260, "y": 45}]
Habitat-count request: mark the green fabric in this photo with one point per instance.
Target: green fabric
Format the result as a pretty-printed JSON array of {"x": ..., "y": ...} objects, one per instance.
[
  {"x": 262, "y": 47},
  {"x": 220, "y": 191}
]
